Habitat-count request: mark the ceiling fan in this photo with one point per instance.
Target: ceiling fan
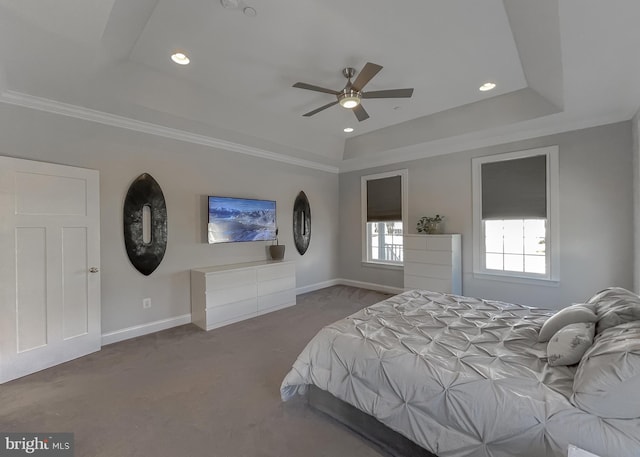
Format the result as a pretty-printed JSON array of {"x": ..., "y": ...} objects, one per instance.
[{"x": 352, "y": 94}]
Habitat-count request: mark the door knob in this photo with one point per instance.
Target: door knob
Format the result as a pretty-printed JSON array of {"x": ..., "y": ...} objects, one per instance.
[{"x": 94, "y": 270}]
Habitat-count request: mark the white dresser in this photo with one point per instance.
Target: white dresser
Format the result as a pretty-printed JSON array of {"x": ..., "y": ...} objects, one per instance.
[
  {"x": 433, "y": 262},
  {"x": 225, "y": 294}
]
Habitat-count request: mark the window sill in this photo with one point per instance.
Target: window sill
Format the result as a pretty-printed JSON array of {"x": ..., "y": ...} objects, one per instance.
[
  {"x": 517, "y": 279},
  {"x": 385, "y": 266}
]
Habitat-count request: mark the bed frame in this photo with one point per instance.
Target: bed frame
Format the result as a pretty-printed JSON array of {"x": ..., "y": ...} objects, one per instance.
[{"x": 389, "y": 441}]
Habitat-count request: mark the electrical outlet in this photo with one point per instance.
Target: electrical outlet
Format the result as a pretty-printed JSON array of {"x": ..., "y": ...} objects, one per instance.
[{"x": 146, "y": 303}]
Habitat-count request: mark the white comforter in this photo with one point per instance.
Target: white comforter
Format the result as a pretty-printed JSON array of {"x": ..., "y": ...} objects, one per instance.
[{"x": 459, "y": 376}]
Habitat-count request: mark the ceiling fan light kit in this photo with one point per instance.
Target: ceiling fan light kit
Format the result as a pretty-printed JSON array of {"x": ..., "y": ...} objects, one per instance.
[
  {"x": 349, "y": 98},
  {"x": 352, "y": 94}
]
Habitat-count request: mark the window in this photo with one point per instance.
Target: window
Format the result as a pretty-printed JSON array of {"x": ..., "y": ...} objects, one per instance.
[
  {"x": 384, "y": 202},
  {"x": 515, "y": 214}
]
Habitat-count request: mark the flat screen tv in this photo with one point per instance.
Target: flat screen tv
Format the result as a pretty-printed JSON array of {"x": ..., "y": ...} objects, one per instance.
[{"x": 241, "y": 219}]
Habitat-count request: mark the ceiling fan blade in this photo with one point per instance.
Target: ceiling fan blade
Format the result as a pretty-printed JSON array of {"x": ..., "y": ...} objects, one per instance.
[
  {"x": 391, "y": 93},
  {"x": 317, "y": 110},
  {"x": 365, "y": 75},
  {"x": 360, "y": 113},
  {"x": 316, "y": 88}
]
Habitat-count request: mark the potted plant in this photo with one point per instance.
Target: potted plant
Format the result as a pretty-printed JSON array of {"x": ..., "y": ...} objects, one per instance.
[
  {"x": 276, "y": 251},
  {"x": 430, "y": 225}
]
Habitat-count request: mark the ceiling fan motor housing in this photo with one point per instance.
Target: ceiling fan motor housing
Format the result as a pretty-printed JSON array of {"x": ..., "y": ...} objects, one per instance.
[{"x": 349, "y": 72}]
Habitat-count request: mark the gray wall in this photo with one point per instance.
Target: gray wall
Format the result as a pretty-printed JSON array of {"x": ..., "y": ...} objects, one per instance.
[
  {"x": 635, "y": 127},
  {"x": 596, "y": 215},
  {"x": 596, "y": 209},
  {"x": 187, "y": 173}
]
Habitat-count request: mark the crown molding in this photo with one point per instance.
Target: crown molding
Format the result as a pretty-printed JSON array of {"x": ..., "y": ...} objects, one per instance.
[
  {"x": 389, "y": 157},
  {"x": 87, "y": 114},
  {"x": 473, "y": 141}
]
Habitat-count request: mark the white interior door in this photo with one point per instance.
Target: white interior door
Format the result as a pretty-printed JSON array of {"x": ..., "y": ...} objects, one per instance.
[{"x": 49, "y": 265}]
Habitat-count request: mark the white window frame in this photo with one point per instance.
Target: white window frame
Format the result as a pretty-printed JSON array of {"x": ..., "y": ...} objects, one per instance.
[
  {"x": 404, "y": 176},
  {"x": 552, "y": 247}
]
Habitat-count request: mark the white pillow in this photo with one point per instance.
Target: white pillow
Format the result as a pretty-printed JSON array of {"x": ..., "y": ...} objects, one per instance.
[
  {"x": 569, "y": 344},
  {"x": 607, "y": 380},
  {"x": 615, "y": 306},
  {"x": 573, "y": 314}
]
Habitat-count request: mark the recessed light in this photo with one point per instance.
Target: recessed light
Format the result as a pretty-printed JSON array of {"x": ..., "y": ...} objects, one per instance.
[
  {"x": 248, "y": 11},
  {"x": 348, "y": 130},
  {"x": 229, "y": 4},
  {"x": 180, "y": 58},
  {"x": 487, "y": 86}
]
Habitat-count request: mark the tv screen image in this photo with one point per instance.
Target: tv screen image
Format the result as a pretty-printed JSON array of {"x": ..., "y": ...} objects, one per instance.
[{"x": 241, "y": 219}]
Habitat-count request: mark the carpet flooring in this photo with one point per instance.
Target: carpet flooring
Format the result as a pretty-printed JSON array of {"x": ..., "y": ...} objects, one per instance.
[{"x": 185, "y": 392}]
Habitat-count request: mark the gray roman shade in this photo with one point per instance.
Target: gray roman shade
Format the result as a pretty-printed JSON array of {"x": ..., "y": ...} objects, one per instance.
[
  {"x": 515, "y": 189},
  {"x": 384, "y": 199}
]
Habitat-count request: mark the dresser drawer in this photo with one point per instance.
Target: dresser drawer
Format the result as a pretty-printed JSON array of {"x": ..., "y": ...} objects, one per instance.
[
  {"x": 433, "y": 257},
  {"x": 415, "y": 242},
  {"x": 427, "y": 270},
  {"x": 276, "y": 285},
  {"x": 276, "y": 271},
  {"x": 277, "y": 300},
  {"x": 439, "y": 243},
  {"x": 231, "y": 312},
  {"x": 230, "y": 279},
  {"x": 432, "y": 284},
  {"x": 217, "y": 297}
]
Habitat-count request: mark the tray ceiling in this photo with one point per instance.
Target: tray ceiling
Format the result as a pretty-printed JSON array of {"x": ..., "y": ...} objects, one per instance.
[{"x": 557, "y": 65}]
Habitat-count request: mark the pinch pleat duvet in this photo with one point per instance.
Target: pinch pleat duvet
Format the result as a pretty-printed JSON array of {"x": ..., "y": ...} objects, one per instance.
[{"x": 459, "y": 376}]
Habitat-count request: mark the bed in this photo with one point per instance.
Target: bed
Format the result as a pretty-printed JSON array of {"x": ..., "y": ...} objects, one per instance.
[{"x": 461, "y": 376}]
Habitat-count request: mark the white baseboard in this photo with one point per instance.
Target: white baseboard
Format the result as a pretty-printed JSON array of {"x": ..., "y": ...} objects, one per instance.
[
  {"x": 164, "y": 324},
  {"x": 144, "y": 329},
  {"x": 349, "y": 282},
  {"x": 371, "y": 286},
  {"x": 317, "y": 286}
]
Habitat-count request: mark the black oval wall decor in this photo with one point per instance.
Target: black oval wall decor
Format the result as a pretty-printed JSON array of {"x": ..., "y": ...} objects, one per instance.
[
  {"x": 145, "y": 255},
  {"x": 301, "y": 223}
]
